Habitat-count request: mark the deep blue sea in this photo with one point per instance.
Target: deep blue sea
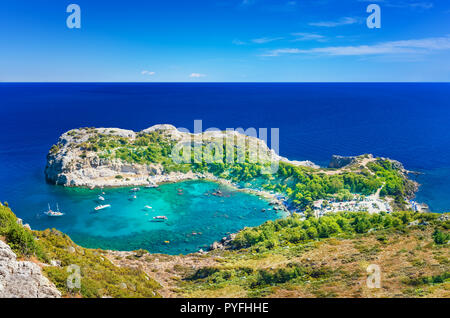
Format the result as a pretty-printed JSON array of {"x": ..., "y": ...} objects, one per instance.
[{"x": 406, "y": 122}]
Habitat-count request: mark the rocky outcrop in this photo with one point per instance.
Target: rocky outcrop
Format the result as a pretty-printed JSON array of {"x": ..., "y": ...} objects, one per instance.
[
  {"x": 22, "y": 279},
  {"x": 225, "y": 243},
  {"x": 341, "y": 161},
  {"x": 70, "y": 164},
  {"x": 396, "y": 164}
]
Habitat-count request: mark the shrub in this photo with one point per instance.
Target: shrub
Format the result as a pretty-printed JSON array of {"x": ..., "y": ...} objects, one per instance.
[
  {"x": 21, "y": 240},
  {"x": 294, "y": 230},
  {"x": 440, "y": 238}
]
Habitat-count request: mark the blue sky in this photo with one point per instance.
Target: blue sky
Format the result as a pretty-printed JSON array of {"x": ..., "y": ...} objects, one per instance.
[{"x": 225, "y": 41}]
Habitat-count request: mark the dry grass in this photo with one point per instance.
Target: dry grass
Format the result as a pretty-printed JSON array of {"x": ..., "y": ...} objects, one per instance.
[{"x": 401, "y": 257}]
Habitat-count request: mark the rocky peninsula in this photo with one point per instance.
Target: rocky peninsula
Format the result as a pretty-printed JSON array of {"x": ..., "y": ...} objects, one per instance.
[{"x": 88, "y": 157}]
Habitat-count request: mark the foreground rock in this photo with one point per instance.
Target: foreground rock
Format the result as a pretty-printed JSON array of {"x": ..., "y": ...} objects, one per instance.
[{"x": 22, "y": 279}]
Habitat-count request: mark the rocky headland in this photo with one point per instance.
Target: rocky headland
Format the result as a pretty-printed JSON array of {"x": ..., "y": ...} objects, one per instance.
[{"x": 75, "y": 162}]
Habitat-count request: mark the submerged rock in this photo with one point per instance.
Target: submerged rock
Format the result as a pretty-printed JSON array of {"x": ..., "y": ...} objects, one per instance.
[{"x": 225, "y": 243}]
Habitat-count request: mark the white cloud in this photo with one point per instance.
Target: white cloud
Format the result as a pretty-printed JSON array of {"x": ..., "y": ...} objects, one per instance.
[
  {"x": 403, "y": 4},
  {"x": 147, "y": 73},
  {"x": 278, "y": 52},
  {"x": 300, "y": 36},
  {"x": 247, "y": 2},
  {"x": 238, "y": 42},
  {"x": 332, "y": 24},
  {"x": 197, "y": 75},
  {"x": 265, "y": 40},
  {"x": 418, "y": 5},
  {"x": 419, "y": 46}
]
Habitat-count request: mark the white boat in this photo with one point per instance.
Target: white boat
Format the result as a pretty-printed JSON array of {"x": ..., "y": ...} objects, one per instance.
[
  {"x": 148, "y": 207},
  {"x": 50, "y": 212},
  {"x": 101, "y": 207},
  {"x": 135, "y": 190},
  {"x": 101, "y": 198},
  {"x": 159, "y": 218},
  {"x": 151, "y": 185}
]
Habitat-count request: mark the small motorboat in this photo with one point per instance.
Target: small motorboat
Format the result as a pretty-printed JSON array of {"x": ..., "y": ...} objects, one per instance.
[
  {"x": 148, "y": 207},
  {"x": 158, "y": 219},
  {"x": 135, "y": 190},
  {"x": 151, "y": 185},
  {"x": 101, "y": 198},
  {"x": 50, "y": 212},
  {"x": 101, "y": 207}
]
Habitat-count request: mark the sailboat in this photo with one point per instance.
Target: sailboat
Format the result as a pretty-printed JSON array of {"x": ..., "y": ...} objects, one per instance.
[{"x": 50, "y": 212}]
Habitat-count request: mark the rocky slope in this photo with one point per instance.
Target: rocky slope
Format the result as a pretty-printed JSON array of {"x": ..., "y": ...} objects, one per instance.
[
  {"x": 72, "y": 163},
  {"x": 22, "y": 279}
]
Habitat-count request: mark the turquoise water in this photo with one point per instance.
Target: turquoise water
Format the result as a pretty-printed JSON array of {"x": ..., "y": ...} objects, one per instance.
[
  {"x": 195, "y": 216},
  {"x": 406, "y": 122}
]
